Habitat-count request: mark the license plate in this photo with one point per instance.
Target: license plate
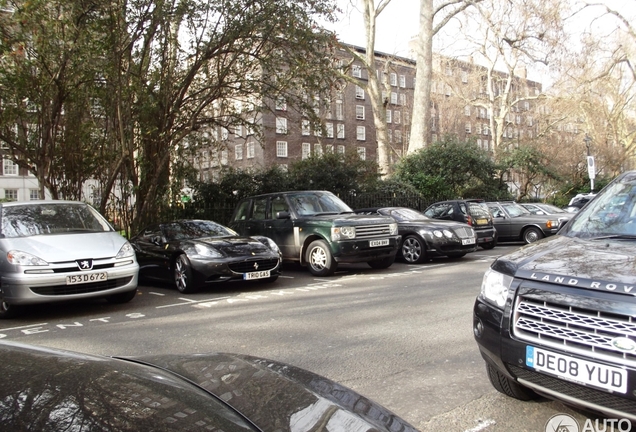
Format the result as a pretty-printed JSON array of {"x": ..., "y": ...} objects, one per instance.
[
  {"x": 481, "y": 221},
  {"x": 376, "y": 243},
  {"x": 86, "y": 278},
  {"x": 574, "y": 369},
  {"x": 468, "y": 241},
  {"x": 256, "y": 275}
]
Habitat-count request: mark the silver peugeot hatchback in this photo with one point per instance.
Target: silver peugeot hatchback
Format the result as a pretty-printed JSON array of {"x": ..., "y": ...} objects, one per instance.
[{"x": 61, "y": 250}]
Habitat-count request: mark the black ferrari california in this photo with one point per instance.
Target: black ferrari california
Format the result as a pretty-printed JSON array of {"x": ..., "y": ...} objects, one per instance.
[
  {"x": 45, "y": 389},
  {"x": 195, "y": 253}
]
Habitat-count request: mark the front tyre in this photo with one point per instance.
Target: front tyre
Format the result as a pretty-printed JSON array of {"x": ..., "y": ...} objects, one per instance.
[
  {"x": 532, "y": 234},
  {"x": 121, "y": 298},
  {"x": 8, "y": 310},
  {"x": 382, "y": 263},
  {"x": 413, "y": 250},
  {"x": 319, "y": 259},
  {"x": 508, "y": 386},
  {"x": 183, "y": 275}
]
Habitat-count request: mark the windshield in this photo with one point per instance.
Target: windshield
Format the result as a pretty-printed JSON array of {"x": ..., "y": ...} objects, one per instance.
[
  {"x": 514, "y": 209},
  {"x": 551, "y": 209},
  {"x": 478, "y": 210},
  {"x": 404, "y": 214},
  {"x": 611, "y": 213},
  {"x": 195, "y": 229},
  {"x": 313, "y": 203},
  {"x": 51, "y": 218}
]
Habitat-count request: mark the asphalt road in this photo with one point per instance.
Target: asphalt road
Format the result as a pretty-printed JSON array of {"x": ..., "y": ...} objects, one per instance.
[{"x": 401, "y": 336}]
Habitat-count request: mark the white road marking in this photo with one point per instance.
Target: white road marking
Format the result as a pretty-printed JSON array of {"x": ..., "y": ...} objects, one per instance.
[
  {"x": 483, "y": 424},
  {"x": 23, "y": 327},
  {"x": 189, "y": 301},
  {"x": 156, "y": 293}
]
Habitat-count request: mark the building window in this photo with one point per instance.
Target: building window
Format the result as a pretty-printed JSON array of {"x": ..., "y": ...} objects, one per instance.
[
  {"x": 393, "y": 79},
  {"x": 356, "y": 71},
  {"x": 402, "y": 81},
  {"x": 394, "y": 98},
  {"x": 360, "y": 112},
  {"x": 318, "y": 149},
  {"x": 250, "y": 150},
  {"x": 305, "y": 128},
  {"x": 530, "y": 121},
  {"x": 396, "y": 117},
  {"x": 34, "y": 194},
  {"x": 341, "y": 130},
  {"x": 225, "y": 134},
  {"x": 281, "y": 125},
  {"x": 467, "y": 110},
  {"x": 10, "y": 168},
  {"x": 468, "y": 128},
  {"x": 464, "y": 77},
  {"x": 361, "y": 133},
  {"x": 11, "y": 194},
  {"x": 329, "y": 148},
  {"x": 329, "y": 128},
  {"x": 223, "y": 157},
  {"x": 281, "y": 148},
  {"x": 238, "y": 130},
  {"x": 238, "y": 152},
  {"x": 341, "y": 149},
  {"x": 362, "y": 153},
  {"x": 281, "y": 104},
  {"x": 306, "y": 150},
  {"x": 485, "y": 129},
  {"x": 398, "y": 136},
  {"x": 339, "y": 110},
  {"x": 359, "y": 92},
  {"x": 390, "y": 134},
  {"x": 389, "y": 116}
]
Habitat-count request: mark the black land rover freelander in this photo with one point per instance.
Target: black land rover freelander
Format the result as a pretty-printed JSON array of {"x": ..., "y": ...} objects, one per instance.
[
  {"x": 558, "y": 317},
  {"x": 317, "y": 229}
]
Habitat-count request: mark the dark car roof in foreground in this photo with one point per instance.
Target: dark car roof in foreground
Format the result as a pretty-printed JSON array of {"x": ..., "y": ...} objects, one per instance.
[{"x": 49, "y": 389}]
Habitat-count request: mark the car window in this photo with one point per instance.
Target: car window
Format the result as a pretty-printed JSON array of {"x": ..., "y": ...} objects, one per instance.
[
  {"x": 259, "y": 211},
  {"x": 194, "y": 229},
  {"x": 407, "y": 214},
  {"x": 463, "y": 208},
  {"x": 279, "y": 204},
  {"x": 242, "y": 210},
  {"x": 54, "y": 218},
  {"x": 311, "y": 203},
  {"x": 478, "y": 210},
  {"x": 439, "y": 210},
  {"x": 150, "y": 232},
  {"x": 496, "y": 211},
  {"x": 514, "y": 209}
]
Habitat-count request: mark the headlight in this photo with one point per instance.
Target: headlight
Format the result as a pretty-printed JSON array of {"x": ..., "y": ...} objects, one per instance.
[
  {"x": 24, "y": 259},
  {"x": 552, "y": 224},
  {"x": 393, "y": 229},
  {"x": 447, "y": 233},
  {"x": 347, "y": 232},
  {"x": 126, "y": 251},
  {"x": 495, "y": 286},
  {"x": 206, "y": 251},
  {"x": 438, "y": 234},
  {"x": 269, "y": 243}
]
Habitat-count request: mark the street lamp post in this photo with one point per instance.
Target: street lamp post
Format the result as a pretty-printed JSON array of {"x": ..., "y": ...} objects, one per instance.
[{"x": 591, "y": 169}]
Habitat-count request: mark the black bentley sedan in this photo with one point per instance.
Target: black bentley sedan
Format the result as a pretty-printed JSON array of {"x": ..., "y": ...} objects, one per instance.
[
  {"x": 424, "y": 238},
  {"x": 45, "y": 389},
  {"x": 194, "y": 253}
]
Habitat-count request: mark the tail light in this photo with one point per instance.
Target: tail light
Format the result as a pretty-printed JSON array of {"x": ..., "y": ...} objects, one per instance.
[{"x": 469, "y": 220}]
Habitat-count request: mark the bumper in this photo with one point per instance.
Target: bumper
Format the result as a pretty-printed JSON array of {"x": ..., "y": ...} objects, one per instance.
[
  {"x": 25, "y": 288},
  {"x": 508, "y": 356},
  {"x": 215, "y": 271},
  {"x": 486, "y": 235},
  {"x": 360, "y": 250}
]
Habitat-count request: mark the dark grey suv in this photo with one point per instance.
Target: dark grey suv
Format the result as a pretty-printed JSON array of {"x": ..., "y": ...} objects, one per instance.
[
  {"x": 474, "y": 212},
  {"x": 318, "y": 230}
]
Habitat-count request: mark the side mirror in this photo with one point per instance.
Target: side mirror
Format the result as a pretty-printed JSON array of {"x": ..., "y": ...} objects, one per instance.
[
  {"x": 156, "y": 240},
  {"x": 283, "y": 215}
]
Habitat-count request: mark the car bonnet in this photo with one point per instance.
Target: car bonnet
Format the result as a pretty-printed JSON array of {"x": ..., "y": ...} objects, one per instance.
[
  {"x": 68, "y": 246},
  {"x": 277, "y": 396}
]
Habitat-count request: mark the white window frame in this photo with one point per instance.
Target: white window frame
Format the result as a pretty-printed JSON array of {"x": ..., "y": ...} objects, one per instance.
[
  {"x": 402, "y": 81},
  {"x": 397, "y": 117},
  {"x": 238, "y": 152},
  {"x": 362, "y": 153},
  {"x": 281, "y": 125},
  {"x": 340, "y": 131},
  {"x": 389, "y": 116},
  {"x": 305, "y": 127},
  {"x": 356, "y": 71},
  {"x": 11, "y": 194},
  {"x": 361, "y": 133},
  {"x": 281, "y": 104},
  {"x": 359, "y": 92},
  {"x": 329, "y": 129},
  {"x": 250, "y": 150},
  {"x": 34, "y": 194},
  {"x": 306, "y": 150},
  {"x": 394, "y": 98},
  {"x": 359, "y": 112},
  {"x": 318, "y": 149},
  {"x": 341, "y": 149},
  {"x": 393, "y": 79},
  {"x": 10, "y": 168},
  {"x": 281, "y": 149}
]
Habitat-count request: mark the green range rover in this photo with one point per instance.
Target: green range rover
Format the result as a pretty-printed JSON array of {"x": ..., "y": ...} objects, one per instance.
[{"x": 318, "y": 230}]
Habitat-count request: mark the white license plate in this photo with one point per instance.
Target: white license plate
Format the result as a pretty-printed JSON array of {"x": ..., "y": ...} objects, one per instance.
[
  {"x": 574, "y": 369},
  {"x": 86, "y": 278},
  {"x": 468, "y": 241},
  {"x": 376, "y": 243},
  {"x": 257, "y": 275}
]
